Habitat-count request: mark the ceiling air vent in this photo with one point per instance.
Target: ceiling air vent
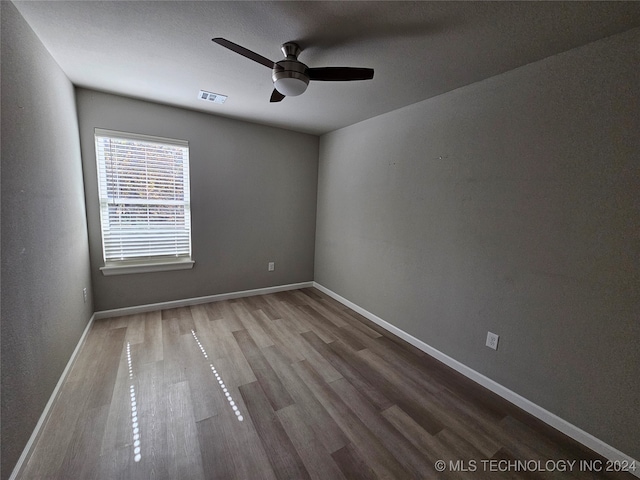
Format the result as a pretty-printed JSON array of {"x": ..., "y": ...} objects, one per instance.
[{"x": 212, "y": 97}]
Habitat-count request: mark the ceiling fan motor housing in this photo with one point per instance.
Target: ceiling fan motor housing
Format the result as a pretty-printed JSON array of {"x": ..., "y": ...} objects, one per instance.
[{"x": 290, "y": 76}]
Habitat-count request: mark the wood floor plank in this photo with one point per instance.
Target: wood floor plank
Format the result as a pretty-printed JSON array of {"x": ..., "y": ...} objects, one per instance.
[
  {"x": 401, "y": 367},
  {"x": 267, "y": 378},
  {"x": 283, "y": 456},
  {"x": 431, "y": 447},
  {"x": 174, "y": 367},
  {"x": 215, "y": 450},
  {"x": 544, "y": 448},
  {"x": 308, "y": 352},
  {"x": 272, "y": 329},
  {"x": 469, "y": 409},
  {"x": 403, "y": 398},
  {"x": 316, "y": 417},
  {"x": 533, "y": 474},
  {"x": 152, "y": 342},
  {"x": 117, "y": 433},
  {"x": 353, "y": 467},
  {"x": 396, "y": 342},
  {"x": 135, "y": 328},
  {"x": 183, "y": 450},
  {"x": 90, "y": 353},
  {"x": 202, "y": 322},
  {"x": 205, "y": 395},
  {"x": 117, "y": 465},
  {"x": 355, "y": 377},
  {"x": 473, "y": 415},
  {"x": 283, "y": 329},
  {"x": 248, "y": 454},
  {"x": 259, "y": 336},
  {"x": 227, "y": 355},
  {"x": 559, "y": 439},
  {"x": 412, "y": 356},
  {"x": 473, "y": 431},
  {"x": 251, "y": 303},
  {"x": 328, "y": 311},
  {"x": 87, "y": 437},
  {"x": 313, "y": 293},
  {"x": 152, "y": 413},
  {"x": 57, "y": 434},
  {"x": 230, "y": 445},
  {"x": 106, "y": 369},
  {"x": 259, "y": 302},
  {"x": 289, "y": 297},
  {"x": 503, "y": 454},
  {"x": 115, "y": 322},
  {"x": 322, "y": 365},
  {"x": 291, "y": 313},
  {"x": 413, "y": 432},
  {"x": 455, "y": 443},
  {"x": 352, "y": 337},
  {"x": 218, "y": 338},
  {"x": 378, "y": 458},
  {"x": 348, "y": 316},
  {"x": 233, "y": 376},
  {"x": 359, "y": 327},
  {"x": 316, "y": 325},
  {"x": 230, "y": 320},
  {"x": 212, "y": 310},
  {"x": 465, "y": 452},
  {"x": 330, "y": 325},
  {"x": 78, "y": 396},
  {"x": 183, "y": 317},
  {"x": 393, "y": 441},
  {"x": 315, "y": 457}
]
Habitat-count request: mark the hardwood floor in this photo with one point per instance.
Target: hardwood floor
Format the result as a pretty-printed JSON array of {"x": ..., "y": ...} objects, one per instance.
[{"x": 286, "y": 386}]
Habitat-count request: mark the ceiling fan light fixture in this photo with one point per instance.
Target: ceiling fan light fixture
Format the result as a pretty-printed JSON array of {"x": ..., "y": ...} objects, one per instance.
[
  {"x": 290, "y": 77},
  {"x": 291, "y": 86}
]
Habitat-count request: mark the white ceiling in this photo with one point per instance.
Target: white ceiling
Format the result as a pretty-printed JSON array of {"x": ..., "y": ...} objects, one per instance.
[{"x": 162, "y": 50}]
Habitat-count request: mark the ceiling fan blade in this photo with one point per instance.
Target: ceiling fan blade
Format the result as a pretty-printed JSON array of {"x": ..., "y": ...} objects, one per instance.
[
  {"x": 340, "y": 74},
  {"x": 245, "y": 52},
  {"x": 276, "y": 96}
]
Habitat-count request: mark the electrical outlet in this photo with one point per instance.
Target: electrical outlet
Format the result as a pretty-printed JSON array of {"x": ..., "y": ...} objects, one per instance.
[
  {"x": 492, "y": 340},
  {"x": 84, "y": 294},
  {"x": 272, "y": 266}
]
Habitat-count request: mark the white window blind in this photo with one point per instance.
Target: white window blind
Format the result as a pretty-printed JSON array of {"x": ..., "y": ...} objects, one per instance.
[{"x": 143, "y": 185}]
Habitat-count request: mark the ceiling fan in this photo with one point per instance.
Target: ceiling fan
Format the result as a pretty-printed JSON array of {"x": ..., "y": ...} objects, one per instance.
[{"x": 290, "y": 76}]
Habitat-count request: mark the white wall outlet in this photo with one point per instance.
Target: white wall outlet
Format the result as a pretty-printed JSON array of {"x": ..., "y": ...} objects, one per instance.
[
  {"x": 492, "y": 340},
  {"x": 272, "y": 266},
  {"x": 84, "y": 294}
]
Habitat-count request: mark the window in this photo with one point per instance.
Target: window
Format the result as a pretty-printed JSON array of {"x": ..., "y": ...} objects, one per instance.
[{"x": 143, "y": 185}]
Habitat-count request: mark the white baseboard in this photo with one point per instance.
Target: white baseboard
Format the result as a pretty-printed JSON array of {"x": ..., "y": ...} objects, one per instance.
[
  {"x": 152, "y": 307},
  {"x": 549, "y": 418},
  {"x": 47, "y": 408}
]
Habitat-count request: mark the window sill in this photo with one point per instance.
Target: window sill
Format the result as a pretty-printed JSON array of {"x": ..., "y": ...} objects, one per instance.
[{"x": 125, "y": 269}]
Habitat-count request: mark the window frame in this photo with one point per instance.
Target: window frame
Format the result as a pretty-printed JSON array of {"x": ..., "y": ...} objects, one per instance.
[{"x": 142, "y": 264}]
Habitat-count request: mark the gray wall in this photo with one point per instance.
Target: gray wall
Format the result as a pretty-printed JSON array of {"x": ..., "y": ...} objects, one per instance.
[
  {"x": 253, "y": 200},
  {"x": 511, "y": 205},
  {"x": 45, "y": 258}
]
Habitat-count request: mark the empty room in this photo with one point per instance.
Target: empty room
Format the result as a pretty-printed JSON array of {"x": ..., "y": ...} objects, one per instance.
[{"x": 320, "y": 240}]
